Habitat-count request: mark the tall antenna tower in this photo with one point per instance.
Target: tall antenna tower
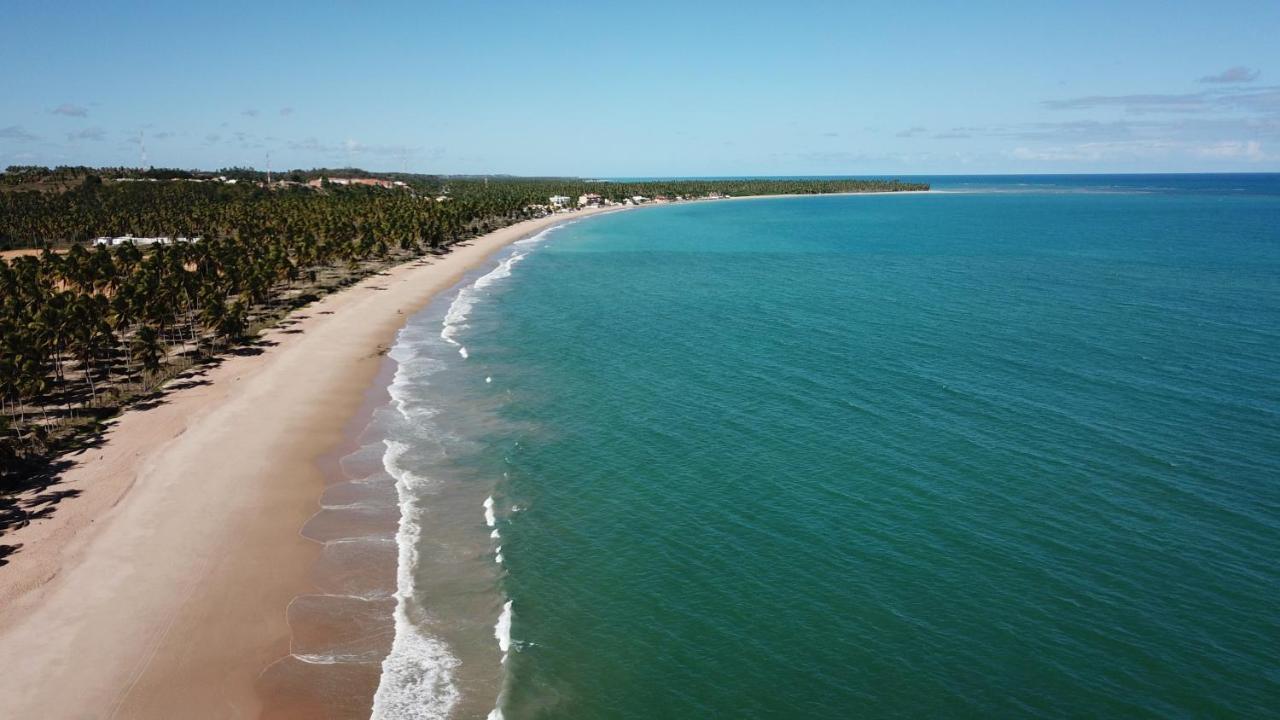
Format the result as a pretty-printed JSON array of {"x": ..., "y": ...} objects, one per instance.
[
  {"x": 268, "y": 168},
  {"x": 142, "y": 149}
]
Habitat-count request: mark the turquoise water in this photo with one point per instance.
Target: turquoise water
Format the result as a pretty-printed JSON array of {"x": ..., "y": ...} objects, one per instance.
[{"x": 989, "y": 454}]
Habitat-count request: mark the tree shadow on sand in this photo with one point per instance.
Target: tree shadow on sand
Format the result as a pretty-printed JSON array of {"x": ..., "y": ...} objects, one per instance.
[
  {"x": 6, "y": 551},
  {"x": 29, "y": 487},
  {"x": 29, "y": 491}
]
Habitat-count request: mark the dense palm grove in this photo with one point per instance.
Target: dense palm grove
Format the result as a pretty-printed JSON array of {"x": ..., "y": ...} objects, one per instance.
[{"x": 84, "y": 330}]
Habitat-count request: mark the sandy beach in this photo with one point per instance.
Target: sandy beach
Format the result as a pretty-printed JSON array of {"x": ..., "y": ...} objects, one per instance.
[{"x": 159, "y": 589}]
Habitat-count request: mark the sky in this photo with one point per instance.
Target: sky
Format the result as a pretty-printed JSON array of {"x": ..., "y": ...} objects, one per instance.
[{"x": 646, "y": 87}]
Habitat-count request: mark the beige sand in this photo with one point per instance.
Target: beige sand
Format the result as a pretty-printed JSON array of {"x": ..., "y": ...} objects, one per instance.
[
  {"x": 11, "y": 254},
  {"x": 160, "y": 591}
]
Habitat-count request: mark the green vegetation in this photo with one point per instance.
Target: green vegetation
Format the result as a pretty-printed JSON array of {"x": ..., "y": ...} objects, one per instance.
[{"x": 85, "y": 331}]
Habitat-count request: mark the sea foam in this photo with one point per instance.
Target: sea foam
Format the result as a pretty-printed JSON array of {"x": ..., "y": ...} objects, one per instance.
[
  {"x": 455, "y": 319},
  {"x": 489, "y": 518},
  {"x": 502, "y": 630},
  {"x": 417, "y": 675},
  {"x": 410, "y": 363}
]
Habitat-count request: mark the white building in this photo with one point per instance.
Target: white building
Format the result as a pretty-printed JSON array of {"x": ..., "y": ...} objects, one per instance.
[
  {"x": 559, "y": 200},
  {"x": 130, "y": 239}
]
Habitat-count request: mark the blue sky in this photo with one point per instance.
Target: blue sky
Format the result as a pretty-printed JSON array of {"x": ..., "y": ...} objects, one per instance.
[{"x": 646, "y": 88}]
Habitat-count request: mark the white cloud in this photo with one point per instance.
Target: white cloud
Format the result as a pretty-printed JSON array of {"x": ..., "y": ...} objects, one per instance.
[
  {"x": 93, "y": 133},
  {"x": 17, "y": 132},
  {"x": 1260, "y": 99},
  {"x": 1098, "y": 151},
  {"x": 70, "y": 110},
  {"x": 1250, "y": 150},
  {"x": 1237, "y": 74},
  {"x": 1143, "y": 150}
]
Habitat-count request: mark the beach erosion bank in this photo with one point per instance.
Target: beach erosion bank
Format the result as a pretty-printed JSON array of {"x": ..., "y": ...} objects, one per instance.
[{"x": 159, "y": 587}]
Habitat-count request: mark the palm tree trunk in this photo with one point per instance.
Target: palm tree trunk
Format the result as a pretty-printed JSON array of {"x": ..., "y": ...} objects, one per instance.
[{"x": 88, "y": 375}]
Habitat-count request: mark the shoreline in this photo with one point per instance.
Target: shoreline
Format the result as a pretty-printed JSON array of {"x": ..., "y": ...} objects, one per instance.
[
  {"x": 161, "y": 589},
  {"x": 161, "y": 585}
]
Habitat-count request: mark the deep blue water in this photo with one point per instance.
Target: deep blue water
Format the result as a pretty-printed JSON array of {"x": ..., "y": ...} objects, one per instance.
[{"x": 1010, "y": 451}]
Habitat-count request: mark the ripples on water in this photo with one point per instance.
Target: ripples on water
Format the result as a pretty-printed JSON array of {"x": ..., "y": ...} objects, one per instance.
[
  {"x": 955, "y": 455},
  {"x": 967, "y": 455}
]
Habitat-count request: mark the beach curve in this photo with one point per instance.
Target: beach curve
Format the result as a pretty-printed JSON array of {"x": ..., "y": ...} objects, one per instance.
[{"x": 160, "y": 590}]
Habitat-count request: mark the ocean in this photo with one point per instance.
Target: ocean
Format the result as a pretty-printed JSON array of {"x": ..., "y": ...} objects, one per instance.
[{"x": 1006, "y": 449}]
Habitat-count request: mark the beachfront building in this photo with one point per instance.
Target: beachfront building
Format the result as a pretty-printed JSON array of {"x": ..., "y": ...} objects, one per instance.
[
  {"x": 132, "y": 240},
  {"x": 589, "y": 199},
  {"x": 558, "y": 200},
  {"x": 371, "y": 182}
]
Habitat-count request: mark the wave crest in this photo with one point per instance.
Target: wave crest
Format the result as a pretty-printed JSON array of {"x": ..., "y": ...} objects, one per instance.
[{"x": 417, "y": 675}]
